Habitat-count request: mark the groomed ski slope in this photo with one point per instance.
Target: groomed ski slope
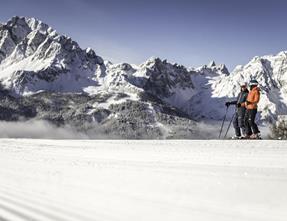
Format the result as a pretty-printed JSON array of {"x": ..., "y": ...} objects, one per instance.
[{"x": 143, "y": 180}]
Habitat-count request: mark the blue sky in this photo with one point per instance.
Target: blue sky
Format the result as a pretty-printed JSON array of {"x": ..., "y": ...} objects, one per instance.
[{"x": 187, "y": 32}]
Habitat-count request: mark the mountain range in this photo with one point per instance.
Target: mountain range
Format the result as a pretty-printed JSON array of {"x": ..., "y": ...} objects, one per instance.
[{"x": 48, "y": 76}]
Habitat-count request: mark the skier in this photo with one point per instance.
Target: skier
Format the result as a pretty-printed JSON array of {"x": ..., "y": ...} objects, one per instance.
[
  {"x": 238, "y": 121},
  {"x": 251, "y": 103}
]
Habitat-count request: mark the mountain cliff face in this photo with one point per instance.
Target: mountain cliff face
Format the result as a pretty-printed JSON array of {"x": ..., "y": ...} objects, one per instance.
[{"x": 47, "y": 76}]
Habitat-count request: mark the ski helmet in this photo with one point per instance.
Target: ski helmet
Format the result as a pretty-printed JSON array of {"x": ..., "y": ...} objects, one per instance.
[
  {"x": 253, "y": 83},
  {"x": 243, "y": 84}
]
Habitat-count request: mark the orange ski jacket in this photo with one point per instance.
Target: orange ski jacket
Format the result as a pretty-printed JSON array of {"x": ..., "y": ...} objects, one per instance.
[{"x": 253, "y": 99}]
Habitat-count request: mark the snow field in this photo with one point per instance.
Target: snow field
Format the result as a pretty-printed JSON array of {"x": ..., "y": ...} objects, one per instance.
[{"x": 142, "y": 180}]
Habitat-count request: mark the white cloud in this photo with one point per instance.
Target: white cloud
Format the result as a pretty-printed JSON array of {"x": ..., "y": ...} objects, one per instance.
[{"x": 37, "y": 129}]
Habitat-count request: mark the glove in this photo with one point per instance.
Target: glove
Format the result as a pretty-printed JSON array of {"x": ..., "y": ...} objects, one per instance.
[
  {"x": 227, "y": 104},
  {"x": 238, "y": 105}
]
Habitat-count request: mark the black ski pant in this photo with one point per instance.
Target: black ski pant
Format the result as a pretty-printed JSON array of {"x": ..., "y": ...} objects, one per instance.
[
  {"x": 251, "y": 126},
  {"x": 238, "y": 122}
]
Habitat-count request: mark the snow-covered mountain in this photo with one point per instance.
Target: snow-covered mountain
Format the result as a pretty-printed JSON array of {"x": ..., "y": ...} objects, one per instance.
[
  {"x": 35, "y": 57},
  {"x": 70, "y": 84}
]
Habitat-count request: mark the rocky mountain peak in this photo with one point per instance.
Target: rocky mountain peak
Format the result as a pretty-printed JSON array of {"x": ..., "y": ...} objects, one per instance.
[
  {"x": 224, "y": 69},
  {"x": 212, "y": 64},
  {"x": 213, "y": 69},
  {"x": 163, "y": 78}
]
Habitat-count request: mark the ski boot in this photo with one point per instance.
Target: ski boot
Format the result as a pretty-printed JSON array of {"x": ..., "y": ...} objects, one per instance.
[
  {"x": 235, "y": 137},
  {"x": 255, "y": 136}
]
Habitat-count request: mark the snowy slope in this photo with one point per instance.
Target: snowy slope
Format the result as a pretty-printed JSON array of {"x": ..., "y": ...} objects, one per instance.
[
  {"x": 143, "y": 180},
  {"x": 206, "y": 103}
]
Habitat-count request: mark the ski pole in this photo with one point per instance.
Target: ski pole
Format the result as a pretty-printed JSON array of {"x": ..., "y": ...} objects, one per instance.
[
  {"x": 229, "y": 125},
  {"x": 223, "y": 122}
]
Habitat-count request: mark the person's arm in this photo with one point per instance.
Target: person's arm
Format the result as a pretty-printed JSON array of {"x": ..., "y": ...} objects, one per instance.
[
  {"x": 227, "y": 104},
  {"x": 243, "y": 104},
  {"x": 233, "y": 102}
]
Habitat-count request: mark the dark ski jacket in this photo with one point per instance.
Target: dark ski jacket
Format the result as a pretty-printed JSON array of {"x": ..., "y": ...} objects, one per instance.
[{"x": 241, "y": 99}]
